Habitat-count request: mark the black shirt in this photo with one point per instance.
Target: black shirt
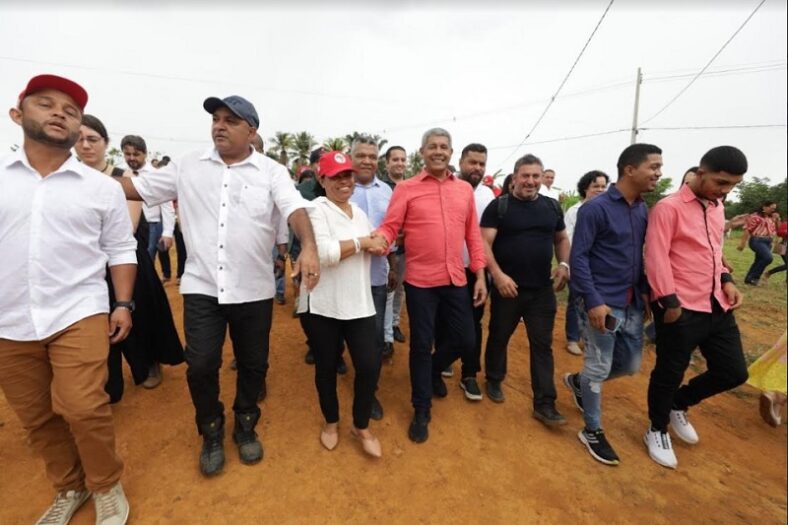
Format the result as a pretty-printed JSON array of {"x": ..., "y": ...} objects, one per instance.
[{"x": 525, "y": 240}]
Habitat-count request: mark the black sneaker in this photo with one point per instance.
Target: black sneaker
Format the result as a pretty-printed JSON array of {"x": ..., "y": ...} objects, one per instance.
[
  {"x": 572, "y": 382},
  {"x": 309, "y": 358},
  {"x": 494, "y": 391},
  {"x": 388, "y": 350},
  {"x": 549, "y": 416},
  {"x": 377, "y": 410},
  {"x": 439, "y": 387},
  {"x": 398, "y": 335},
  {"x": 598, "y": 446},
  {"x": 471, "y": 388},
  {"x": 447, "y": 372},
  {"x": 419, "y": 431},
  {"x": 341, "y": 366}
]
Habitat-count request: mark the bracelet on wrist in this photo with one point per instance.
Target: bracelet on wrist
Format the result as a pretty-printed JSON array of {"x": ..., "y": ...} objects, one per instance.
[{"x": 356, "y": 244}]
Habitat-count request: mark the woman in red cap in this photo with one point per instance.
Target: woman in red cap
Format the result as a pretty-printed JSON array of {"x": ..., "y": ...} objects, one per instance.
[{"x": 340, "y": 307}]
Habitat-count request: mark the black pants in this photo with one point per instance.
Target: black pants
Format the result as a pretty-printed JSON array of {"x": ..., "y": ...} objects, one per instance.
[
  {"x": 446, "y": 307},
  {"x": 719, "y": 340},
  {"x": 471, "y": 361},
  {"x": 537, "y": 308},
  {"x": 205, "y": 323},
  {"x": 327, "y": 335}
]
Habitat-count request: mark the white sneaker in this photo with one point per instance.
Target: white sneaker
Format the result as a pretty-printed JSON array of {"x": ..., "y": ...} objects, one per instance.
[
  {"x": 65, "y": 505},
  {"x": 682, "y": 427},
  {"x": 112, "y": 507},
  {"x": 660, "y": 449},
  {"x": 573, "y": 348}
]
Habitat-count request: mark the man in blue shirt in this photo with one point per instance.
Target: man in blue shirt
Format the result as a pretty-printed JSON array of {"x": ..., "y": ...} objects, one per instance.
[
  {"x": 372, "y": 195},
  {"x": 611, "y": 289}
]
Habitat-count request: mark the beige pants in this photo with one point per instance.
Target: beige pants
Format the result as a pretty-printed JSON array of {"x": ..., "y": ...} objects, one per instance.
[{"x": 56, "y": 387}]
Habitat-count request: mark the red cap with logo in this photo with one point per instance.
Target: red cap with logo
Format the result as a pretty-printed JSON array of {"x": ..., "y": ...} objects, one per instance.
[
  {"x": 333, "y": 163},
  {"x": 64, "y": 85}
]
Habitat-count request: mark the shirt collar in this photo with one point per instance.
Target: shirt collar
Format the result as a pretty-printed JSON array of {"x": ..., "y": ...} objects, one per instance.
[
  {"x": 615, "y": 194},
  {"x": 213, "y": 155},
  {"x": 374, "y": 182},
  {"x": 687, "y": 195},
  {"x": 424, "y": 175},
  {"x": 71, "y": 165}
]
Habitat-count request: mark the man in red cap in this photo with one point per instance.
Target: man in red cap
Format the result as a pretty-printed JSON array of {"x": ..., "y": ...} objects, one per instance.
[{"x": 55, "y": 328}]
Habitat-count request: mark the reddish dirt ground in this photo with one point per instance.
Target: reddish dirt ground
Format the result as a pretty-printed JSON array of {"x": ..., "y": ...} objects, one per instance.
[{"x": 483, "y": 463}]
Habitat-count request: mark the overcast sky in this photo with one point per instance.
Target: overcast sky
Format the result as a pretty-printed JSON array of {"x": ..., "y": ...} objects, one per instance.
[{"x": 484, "y": 70}]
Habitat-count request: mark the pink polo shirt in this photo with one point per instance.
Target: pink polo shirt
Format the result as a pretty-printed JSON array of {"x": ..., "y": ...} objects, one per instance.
[
  {"x": 684, "y": 252},
  {"x": 438, "y": 218}
]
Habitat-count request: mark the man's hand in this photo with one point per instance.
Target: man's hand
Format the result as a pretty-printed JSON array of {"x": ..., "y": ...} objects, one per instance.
[
  {"x": 307, "y": 267},
  {"x": 279, "y": 266},
  {"x": 480, "y": 292},
  {"x": 165, "y": 243},
  {"x": 376, "y": 244},
  {"x": 560, "y": 278},
  {"x": 596, "y": 316},
  {"x": 735, "y": 297},
  {"x": 505, "y": 285},
  {"x": 119, "y": 325},
  {"x": 672, "y": 315}
]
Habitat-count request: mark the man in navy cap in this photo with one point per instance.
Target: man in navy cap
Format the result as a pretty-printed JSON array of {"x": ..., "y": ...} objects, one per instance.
[{"x": 227, "y": 197}]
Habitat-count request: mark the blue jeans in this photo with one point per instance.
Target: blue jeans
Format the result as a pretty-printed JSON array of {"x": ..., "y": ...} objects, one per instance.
[
  {"x": 762, "y": 246},
  {"x": 608, "y": 355},
  {"x": 155, "y": 230},
  {"x": 572, "y": 324}
]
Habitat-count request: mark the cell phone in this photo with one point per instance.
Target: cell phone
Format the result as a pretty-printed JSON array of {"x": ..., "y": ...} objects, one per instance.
[{"x": 611, "y": 323}]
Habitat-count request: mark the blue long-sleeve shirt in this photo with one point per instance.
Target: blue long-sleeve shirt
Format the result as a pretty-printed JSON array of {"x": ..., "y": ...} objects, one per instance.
[
  {"x": 607, "y": 251},
  {"x": 374, "y": 199}
]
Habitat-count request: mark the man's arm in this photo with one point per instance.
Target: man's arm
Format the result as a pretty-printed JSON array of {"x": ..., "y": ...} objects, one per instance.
[
  {"x": 395, "y": 216},
  {"x": 659, "y": 272},
  {"x": 562, "y": 248},
  {"x": 586, "y": 230},
  {"x": 307, "y": 266},
  {"x": 123, "y": 276}
]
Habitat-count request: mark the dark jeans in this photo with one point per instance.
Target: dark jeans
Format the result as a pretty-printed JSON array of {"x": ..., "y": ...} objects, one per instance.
[
  {"x": 449, "y": 308},
  {"x": 572, "y": 323},
  {"x": 762, "y": 246},
  {"x": 205, "y": 323},
  {"x": 379, "y": 294},
  {"x": 537, "y": 307},
  {"x": 778, "y": 269},
  {"x": 718, "y": 337},
  {"x": 471, "y": 363},
  {"x": 328, "y": 334}
]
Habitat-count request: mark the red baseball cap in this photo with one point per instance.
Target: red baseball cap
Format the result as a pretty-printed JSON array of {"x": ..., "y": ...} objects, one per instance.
[
  {"x": 333, "y": 163},
  {"x": 64, "y": 85},
  {"x": 487, "y": 180}
]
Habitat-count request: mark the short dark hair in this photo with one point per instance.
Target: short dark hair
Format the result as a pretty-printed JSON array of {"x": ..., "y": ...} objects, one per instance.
[
  {"x": 306, "y": 174},
  {"x": 164, "y": 161},
  {"x": 635, "y": 155},
  {"x": 551, "y": 170},
  {"x": 135, "y": 141},
  {"x": 314, "y": 157},
  {"x": 588, "y": 179},
  {"x": 392, "y": 148},
  {"x": 474, "y": 147},
  {"x": 693, "y": 170},
  {"x": 767, "y": 202},
  {"x": 96, "y": 125},
  {"x": 725, "y": 158},
  {"x": 527, "y": 160}
]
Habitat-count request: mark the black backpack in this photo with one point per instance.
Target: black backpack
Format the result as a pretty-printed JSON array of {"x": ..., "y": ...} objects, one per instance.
[{"x": 503, "y": 206}]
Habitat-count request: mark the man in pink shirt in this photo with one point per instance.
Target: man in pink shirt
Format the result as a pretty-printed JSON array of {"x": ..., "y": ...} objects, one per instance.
[
  {"x": 437, "y": 214},
  {"x": 693, "y": 300}
]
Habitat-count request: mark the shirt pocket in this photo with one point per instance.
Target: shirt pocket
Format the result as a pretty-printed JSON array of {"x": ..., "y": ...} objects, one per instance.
[{"x": 256, "y": 200}]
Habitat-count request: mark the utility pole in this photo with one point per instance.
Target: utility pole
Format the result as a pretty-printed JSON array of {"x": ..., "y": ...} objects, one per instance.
[{"x": 633, "y": 136}]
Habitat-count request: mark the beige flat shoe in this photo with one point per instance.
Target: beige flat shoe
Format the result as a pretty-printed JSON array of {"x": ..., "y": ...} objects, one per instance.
[
  {"x": 370, "y": 445},
  {"x": 329, "y": 440},
  {"x": 770, "y": 411}
]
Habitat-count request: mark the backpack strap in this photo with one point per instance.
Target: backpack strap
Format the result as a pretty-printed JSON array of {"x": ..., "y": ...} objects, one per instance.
[{"x": 503, "y": 205}]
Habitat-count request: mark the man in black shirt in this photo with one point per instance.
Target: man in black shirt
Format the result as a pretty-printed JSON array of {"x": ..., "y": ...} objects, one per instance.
[{"x": 520, "y": 232}]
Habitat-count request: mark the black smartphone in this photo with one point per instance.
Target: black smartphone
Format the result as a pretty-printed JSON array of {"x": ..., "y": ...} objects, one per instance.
[{"x": 611, "y": 323}]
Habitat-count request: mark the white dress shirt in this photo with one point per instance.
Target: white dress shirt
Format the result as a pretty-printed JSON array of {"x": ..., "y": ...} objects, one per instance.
[
  {"x": 344, "y": 289},
  {"x": 570, "y": 219},
  {"x": 57, "y": 234},
  {"x": 164, "y": 213},
  {"x": 227, "y": 219},
  {"x": 551, "y": 192},
  {"x": 482, "y": 197}
]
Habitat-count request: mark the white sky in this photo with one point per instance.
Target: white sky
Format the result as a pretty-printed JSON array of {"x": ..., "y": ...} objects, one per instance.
[{"x": 483, "y": 70}]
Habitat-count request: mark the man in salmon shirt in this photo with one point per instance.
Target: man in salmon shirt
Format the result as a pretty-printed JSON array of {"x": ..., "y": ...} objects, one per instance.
[
  {"x": 693, "y": 300},
  {"x": 437, "y": 213}
]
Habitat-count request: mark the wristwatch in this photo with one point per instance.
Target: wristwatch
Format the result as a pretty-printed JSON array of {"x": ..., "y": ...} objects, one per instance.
[
  {"x": 128, "y": 305},
  {"x": 564, "y": 264}
]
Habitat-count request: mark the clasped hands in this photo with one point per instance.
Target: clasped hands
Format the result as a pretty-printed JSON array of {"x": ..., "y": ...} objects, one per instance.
[{"x": 376, "y": 244}]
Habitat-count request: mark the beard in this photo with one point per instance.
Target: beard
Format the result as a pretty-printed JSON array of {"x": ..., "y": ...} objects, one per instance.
[{"x": 35, "y": 131}]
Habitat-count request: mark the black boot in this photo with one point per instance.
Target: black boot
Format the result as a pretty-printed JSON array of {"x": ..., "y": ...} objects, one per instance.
[
  {"x": 250, "y": 450},
  {"x": 212, "y": 454}
]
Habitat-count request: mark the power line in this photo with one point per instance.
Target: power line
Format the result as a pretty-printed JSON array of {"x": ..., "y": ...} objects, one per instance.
[
  {"x": 694, "y": 78},
  {"x": 721, "y": 72},
  {"x": 571, "y": 69},
  {"x": 562, "y": 139},
  {"x": 742, "y": 126}
]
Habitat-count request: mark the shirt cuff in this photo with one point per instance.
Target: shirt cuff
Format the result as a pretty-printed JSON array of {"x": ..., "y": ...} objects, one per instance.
[
  {"x": 669, "y": 301},
  {"x": 129, "y": 257}
]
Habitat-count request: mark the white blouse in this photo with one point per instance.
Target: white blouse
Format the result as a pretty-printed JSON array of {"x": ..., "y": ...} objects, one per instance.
[{"x": 344, "y": 289}]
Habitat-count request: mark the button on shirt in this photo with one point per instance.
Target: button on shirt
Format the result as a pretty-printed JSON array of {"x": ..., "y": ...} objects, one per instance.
[
  {"x": 373, "y": 199},
  {"x": 437, "y": 217},
  {"x": 607, "y": 251},
  {"x": 57, "y": 234},
  {"x": 684, "y": 251},
  {"x": 227, "y": 218}
]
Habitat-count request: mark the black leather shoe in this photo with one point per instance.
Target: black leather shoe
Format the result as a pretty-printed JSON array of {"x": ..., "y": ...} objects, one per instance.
[
  {"x": 212, "y": 453},
  {"x": 419, "y": 431},
  {"x": 549, "y": 416},
  {"x": 439, "y": 387},
  {"x": 250, "y": 450},
  {"x": 398, "y": 335},
  {"x": 377, "y": 410},
  {"x": 388, "y": 350},
  {"x": 494, "y": 391}
]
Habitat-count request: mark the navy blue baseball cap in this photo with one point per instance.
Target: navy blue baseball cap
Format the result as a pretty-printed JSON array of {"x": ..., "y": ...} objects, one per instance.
[{"x": 238, "y": 105}]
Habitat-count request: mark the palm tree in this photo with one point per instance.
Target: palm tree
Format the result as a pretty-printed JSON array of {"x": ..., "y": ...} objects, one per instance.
[
  {"x": 303, "y": 143},
  {"x": 281, "y": 144},
  {"x": 335, "y": 144},
  {"x": 415, "y": 164}
]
